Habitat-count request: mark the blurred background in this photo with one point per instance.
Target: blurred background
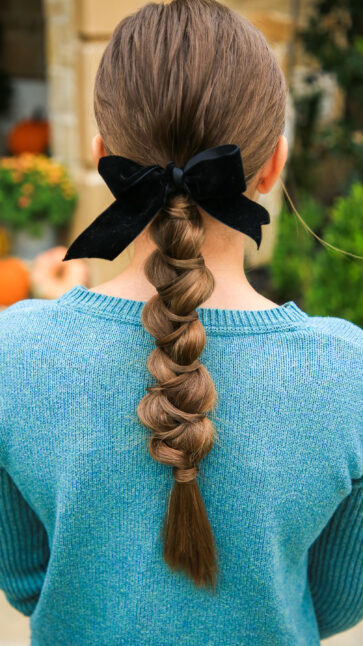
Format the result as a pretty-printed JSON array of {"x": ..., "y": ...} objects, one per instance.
[{"x": 50, "y": 190}]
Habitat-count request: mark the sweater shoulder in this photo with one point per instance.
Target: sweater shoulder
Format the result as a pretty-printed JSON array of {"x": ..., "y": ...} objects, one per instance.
[
  {"x": 30, "y": 329},
  {"x": 337, "y": 349},
  {"x": 26, "y": 305},
  {"x": 18, "y": 318},
  {"x": 338, "y": 328}
]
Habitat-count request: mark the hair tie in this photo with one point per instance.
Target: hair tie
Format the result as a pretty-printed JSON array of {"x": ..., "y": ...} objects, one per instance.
[{"x": 214, "y": 179}]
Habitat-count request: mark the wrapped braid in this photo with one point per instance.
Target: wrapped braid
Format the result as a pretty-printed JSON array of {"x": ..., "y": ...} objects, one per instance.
[{"x": 175, "y": 407}]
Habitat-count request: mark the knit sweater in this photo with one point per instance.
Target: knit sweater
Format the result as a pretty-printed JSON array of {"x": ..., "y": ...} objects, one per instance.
[{"x": 82, "y": 501}]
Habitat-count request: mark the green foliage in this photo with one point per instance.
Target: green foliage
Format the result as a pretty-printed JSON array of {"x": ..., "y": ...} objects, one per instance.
[
  {"x": 290, "y": 272},
  {"x": 305, "y": 155},
  {"x": 337, "y": 279},
  {"x": 35, "y": 189},
  {"x": 333, "y": 35},
  {"x": 326, "y": 162},
  {"x": 326, "y": 282}
]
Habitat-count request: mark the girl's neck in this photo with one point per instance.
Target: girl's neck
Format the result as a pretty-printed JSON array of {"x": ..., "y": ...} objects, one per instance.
[{"x": 223, "y": 252}]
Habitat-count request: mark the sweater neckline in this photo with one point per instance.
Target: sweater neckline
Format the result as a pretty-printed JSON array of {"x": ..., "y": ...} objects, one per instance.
[{"x": 81, "y": 298}]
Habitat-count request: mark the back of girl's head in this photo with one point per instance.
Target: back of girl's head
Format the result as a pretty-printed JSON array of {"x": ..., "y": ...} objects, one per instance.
[{"x": 174, "y": 80}]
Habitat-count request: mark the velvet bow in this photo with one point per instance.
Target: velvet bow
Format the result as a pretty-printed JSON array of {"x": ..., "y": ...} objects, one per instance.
[{"x": 214, "y": 179}]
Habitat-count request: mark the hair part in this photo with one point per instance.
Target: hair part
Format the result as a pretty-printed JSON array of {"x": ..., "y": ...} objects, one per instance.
[{"x": 176, "y": 79}]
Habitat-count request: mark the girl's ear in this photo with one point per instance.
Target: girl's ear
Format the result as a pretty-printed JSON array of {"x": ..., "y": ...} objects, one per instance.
[
  {"x": 271, "y": 171},
  {"x": 98, "y": 149}
]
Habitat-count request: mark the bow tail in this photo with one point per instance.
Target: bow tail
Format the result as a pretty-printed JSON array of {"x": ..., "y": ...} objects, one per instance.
[
  {"x": 113, "y": 230},
  {"x": 239, "y": 213}
]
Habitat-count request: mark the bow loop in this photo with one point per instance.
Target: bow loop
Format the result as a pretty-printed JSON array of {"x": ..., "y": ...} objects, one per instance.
[
  {"x": 214, "y": 179},
  {"x": 215, "y": 172},
  {"x": 120, "y": 175}
]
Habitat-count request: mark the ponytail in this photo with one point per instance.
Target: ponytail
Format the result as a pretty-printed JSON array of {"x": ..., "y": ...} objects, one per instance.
[{"x": 175, "y": 407}]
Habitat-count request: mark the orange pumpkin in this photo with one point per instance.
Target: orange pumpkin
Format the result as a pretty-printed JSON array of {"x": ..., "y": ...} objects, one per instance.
[
  {"x": 29, "y": 136},
  {"x": 50, "y": 277},
  {"x": 14, "y": 280}
]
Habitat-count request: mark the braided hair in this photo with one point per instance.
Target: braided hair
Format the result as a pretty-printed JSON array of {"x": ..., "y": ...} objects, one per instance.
[{"x": 175, "y": 408}]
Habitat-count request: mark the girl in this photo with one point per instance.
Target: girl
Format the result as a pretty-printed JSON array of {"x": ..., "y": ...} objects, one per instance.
[{"x": 254, "y": 536}]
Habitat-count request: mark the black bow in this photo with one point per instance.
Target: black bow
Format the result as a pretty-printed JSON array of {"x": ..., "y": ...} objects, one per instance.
[{"x": 213, "y": 178}]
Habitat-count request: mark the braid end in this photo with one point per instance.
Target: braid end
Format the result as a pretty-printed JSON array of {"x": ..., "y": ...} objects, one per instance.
[{"x": 189, "y": 543}]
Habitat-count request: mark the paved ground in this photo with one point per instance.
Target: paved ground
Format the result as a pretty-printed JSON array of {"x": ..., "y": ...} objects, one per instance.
[{"x": 14, "y": 629}]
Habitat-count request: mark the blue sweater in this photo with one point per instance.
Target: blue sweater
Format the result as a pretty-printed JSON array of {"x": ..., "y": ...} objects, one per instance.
[{"x": 82, "y": 502}]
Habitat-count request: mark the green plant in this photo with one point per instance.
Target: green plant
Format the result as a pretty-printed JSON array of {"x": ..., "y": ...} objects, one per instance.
[
  {"x": 34, "y": 190},
  {"x": 324, "y": 281},
  {"x": 336, "y": 282},
  {"x": 326, "y": 160},
  {"x": 334, "y": 36},
  {"x": 290, "y": 267}
]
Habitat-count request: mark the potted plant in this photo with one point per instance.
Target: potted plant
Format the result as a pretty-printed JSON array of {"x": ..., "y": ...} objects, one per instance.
[{"x": 37, "y": 197}]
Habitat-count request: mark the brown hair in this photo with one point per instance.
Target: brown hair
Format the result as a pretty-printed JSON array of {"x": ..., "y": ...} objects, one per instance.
[{"x": 176, "y": 79}]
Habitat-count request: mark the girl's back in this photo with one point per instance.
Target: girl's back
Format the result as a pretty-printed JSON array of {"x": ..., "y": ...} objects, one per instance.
[{"x": 277, "y": 486}]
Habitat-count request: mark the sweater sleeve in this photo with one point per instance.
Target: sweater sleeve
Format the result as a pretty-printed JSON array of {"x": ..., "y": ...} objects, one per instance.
[
  {"x": 335, "y": 567},
  {"x": 24, "y": 550}
]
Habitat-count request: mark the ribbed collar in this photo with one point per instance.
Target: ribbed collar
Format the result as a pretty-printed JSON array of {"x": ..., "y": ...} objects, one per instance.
[{"x": 286, "y": 315}]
